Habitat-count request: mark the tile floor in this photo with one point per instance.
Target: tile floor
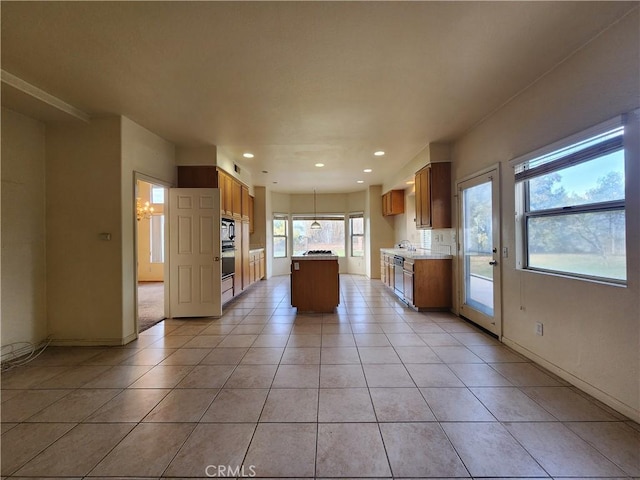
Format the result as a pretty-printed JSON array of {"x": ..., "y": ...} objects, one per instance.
[{"x": 374, "y": 390}]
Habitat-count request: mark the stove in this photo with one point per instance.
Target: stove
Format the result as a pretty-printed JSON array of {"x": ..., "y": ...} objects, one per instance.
[{"x": 318, "y": 252}]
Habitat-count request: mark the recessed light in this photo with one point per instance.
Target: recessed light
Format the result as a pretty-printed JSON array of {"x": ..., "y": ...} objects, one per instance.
[
  {"x": 275, "y": 182},
  {"x": 367, "y": 170},
  {"x": 360, "y": 181},
  {"x": 379, "y": 153},
  {"x": 319, "y": 164},
  {"x": 247, "y": 155}
]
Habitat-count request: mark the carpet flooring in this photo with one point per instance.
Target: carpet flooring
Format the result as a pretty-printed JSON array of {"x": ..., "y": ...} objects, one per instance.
[{"x": 150, "y": 304}]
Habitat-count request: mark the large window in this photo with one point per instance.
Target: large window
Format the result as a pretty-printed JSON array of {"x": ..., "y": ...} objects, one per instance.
[
  {"x": 571, "y": 207},
  {"x": 356, "y": 230},
  {"x": 156, "y": 231},
  {"x": 330, "y": 237},
  {"x": 280, "y": 223}
]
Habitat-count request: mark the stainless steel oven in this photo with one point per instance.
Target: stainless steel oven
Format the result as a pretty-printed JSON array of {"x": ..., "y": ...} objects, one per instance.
[
  {"x": 228, "y": 245},
  {"x": 398, "y": 275}
]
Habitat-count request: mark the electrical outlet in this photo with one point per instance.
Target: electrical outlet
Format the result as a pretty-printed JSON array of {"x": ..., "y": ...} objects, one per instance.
[
  {"x": 505, "y": 252},
  {"x": 539, "y": 330}
]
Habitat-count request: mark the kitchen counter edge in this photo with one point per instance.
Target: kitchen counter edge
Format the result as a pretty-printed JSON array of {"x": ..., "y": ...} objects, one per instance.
[
  {"x": 314, "y": 257},
  {"x": 416, "y": 254}
]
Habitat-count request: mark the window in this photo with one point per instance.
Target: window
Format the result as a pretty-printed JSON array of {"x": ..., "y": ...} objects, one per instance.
[
  {"x": 157, "y": 194},
  {"x": 356, "y": 229},
  {"x": 280, "y": 236},
  {"x": 330, "y": 237},
  {"x": 156, "y": 231},
  {"x": 571, "y": 207}
]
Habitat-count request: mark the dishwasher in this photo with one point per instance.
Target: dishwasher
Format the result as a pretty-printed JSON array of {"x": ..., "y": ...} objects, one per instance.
[{"x": 398, "y": 275}]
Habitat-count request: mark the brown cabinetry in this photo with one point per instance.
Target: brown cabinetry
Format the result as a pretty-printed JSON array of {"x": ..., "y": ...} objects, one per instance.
[
  {"x": 426, "y": 281},
  {"x": 433, "y": 196},
  {"x": 236, "y": 199},
  {"x": 393, "y": 202},
  {"x": 234, "y": 196},
  {"x": 307, "y": 276},
  {"x": 387, "y": 270},
  {"x": 246, "y": 260},
  {"x": 245, "y": 204},
  {"x": 407, "y": 273},
  {"x": 236, "y": 202},
  {"x": 251, "y": 214}
]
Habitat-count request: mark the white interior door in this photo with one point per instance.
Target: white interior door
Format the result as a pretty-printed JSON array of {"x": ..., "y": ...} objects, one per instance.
[
  {"x": 479, "y": 255},
  {"x": 195, "y": 269}
]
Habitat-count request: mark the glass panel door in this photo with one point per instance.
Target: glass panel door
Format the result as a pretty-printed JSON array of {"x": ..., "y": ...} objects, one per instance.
[{"x": 479, "y": 251}]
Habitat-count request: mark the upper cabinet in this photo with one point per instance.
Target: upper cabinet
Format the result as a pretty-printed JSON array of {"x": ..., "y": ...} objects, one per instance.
[
  {"x": 234, "y": 196},
  {"x": 393, "y": 202},
  {"x": 433, "y": 196},
  {"x": 251, "y": 214},
  {"x": 245, "y": 203}
]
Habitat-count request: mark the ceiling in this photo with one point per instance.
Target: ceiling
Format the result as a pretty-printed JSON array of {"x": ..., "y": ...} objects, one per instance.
[{"x": 297, "y": 83}]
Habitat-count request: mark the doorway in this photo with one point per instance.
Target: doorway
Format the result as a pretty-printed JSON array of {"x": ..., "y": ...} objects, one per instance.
[
  {"x": 150, "y": 246},
  {"x": 478, "y": 266}
]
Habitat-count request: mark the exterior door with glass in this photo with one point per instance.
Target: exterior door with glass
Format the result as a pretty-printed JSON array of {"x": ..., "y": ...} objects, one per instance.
[{"x": 479, "y": 250}]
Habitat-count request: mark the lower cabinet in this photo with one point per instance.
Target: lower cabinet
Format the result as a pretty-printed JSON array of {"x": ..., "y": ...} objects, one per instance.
[
  {"x": 256, "y": 265},
  {"x": 250, "y": 268},
  {"x": 407, "y": 276},
  {"x": 432, "y": 284},
  {"x": 426, "y": 282}
]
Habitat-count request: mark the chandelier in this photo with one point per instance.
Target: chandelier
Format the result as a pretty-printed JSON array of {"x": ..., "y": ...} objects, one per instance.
[
  {"x": 143, "y": 210},
  {"x": 315, "y": 225}
]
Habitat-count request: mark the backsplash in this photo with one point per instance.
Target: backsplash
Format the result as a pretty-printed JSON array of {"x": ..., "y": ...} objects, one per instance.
[{"x": 439, "y": 240}]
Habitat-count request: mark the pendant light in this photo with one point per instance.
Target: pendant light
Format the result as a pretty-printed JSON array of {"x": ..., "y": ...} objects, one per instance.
[{"x": 315, "y": 225}]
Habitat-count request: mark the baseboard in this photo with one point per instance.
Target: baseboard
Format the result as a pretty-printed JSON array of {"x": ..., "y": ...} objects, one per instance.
[
  {"x": 595, "y": 392},
  {"x": 94, "y": 342}
]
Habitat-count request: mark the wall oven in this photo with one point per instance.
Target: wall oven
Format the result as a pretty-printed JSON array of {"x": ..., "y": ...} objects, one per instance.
[{"x": 228, "y": 244}]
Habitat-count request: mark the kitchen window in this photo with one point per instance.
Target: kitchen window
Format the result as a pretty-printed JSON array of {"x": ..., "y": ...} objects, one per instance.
[
  {"x": 570, "y": 206},
  {"x": 280, "y": 228},
  {"x": 356, "y": 231},
  {"x": 330, "y": 237}
]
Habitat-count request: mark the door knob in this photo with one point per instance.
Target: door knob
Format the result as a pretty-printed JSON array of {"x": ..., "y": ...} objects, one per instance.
[{"x": 494, "y": 263}]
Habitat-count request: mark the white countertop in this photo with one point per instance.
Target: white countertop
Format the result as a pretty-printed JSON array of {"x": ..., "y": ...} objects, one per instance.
[
  {"x": 314, "y": 257},
  {"x": 419, "y": 254},
  {"x": 254, "y": 250}
]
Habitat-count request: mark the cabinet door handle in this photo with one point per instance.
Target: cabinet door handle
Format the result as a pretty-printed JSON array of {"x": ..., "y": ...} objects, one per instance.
[{"x": 493, "y": 263}]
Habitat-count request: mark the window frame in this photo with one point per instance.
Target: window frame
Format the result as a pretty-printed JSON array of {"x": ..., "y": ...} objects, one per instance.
[
  {"x": 549, "y": 160},
  {"x": 333, "y": 217},
  {"x": 352, "y": 235},
  {"x": 285, "y": 218}
]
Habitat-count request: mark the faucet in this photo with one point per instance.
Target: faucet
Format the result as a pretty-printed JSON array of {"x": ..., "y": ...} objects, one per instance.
[{"x": 406, "y": 244}]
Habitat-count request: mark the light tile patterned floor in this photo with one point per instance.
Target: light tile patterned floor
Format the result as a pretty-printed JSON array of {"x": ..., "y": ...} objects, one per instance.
[{"x": 374, "y": 390}]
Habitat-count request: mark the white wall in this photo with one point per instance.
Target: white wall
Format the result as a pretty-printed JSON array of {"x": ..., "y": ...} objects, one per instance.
[
  {"x": 591, "y": 331},
  {"x": 143, "y": 152},
  {"x": 91, "y": 172},
  {"x": 23, "y": 230},
  {"x": 83, "y": 197},
  {"x": 325, "y": 204},
  {"x": 380, "y": 230}
]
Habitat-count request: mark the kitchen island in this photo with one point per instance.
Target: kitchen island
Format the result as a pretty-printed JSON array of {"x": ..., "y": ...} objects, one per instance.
[{"x": 315, "y": 282}]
